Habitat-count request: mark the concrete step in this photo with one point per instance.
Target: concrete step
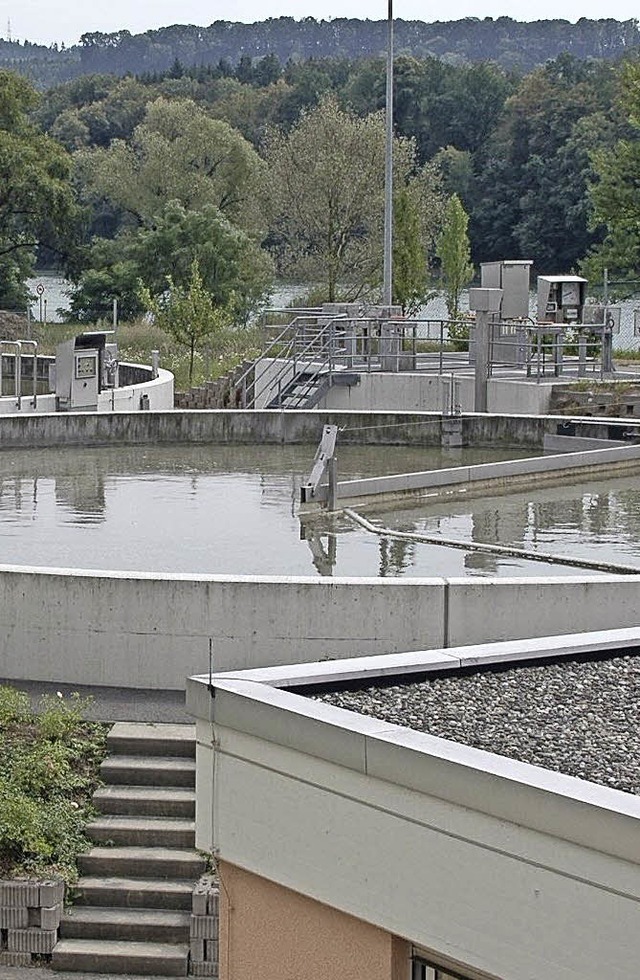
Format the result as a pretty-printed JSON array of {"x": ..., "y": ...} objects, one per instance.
[
  {"x": 146, "y": 801},
  {"x": 142, "y": 862},
  {"x": 137, "y": 925},
  {"x": 132, "y": 738},
  {"x": 133, "y": 770},
  {"x": 138, "y": 893},
  {"x": 143, "y": 831},
  {"x": 143, "y": 959}
]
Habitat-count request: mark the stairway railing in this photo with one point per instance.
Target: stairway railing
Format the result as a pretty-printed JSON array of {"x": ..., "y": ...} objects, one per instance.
[{"x": 303, "y": 349}]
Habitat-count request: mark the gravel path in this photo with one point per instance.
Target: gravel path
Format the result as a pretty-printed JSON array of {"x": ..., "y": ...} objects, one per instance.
[{"x": 579, "y": 718}]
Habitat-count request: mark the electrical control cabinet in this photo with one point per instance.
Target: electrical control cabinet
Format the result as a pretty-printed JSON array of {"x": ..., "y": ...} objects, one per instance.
[
  {"x": 561, "y": 299},
  {"x": 82, "y": 371}
]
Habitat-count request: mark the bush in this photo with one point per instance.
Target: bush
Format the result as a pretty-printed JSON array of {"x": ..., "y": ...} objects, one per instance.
[{"x": 49, "y": 762}]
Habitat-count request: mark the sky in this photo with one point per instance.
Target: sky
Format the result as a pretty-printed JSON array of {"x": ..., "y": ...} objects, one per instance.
[{"x": 49, "y": 21}]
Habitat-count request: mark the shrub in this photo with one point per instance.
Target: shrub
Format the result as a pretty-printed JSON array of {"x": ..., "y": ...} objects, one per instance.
[{"x": 48, "y": 768}]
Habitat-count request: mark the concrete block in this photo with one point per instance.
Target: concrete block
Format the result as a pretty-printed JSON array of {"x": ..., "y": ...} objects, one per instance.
[
  {"x": 203, "y": 969},
  {"x": 213, "y": 902},
  {"x": 14, "y": 918},
  {"x": 51, "y": 893},
  {"x": 31, "y": 940},
  {"x": 211, "y": 951},
  {"x": 19, "y": 894},
  {"x": 196, "y": 948},
  {"x": 46, "y": 918},
  {"x": 199, "y": 900},
  {"x": 204, "y": 926},
  {"x": 15, "y": 959}
]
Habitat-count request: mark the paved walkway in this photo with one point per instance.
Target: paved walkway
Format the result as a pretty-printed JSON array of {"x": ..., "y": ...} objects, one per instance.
[
  {"x": 44, "y": 973},
  {"x": 115, "y": 703}
]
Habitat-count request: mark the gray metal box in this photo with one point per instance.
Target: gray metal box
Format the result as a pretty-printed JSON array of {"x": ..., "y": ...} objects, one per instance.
[{"x": 512, "y": 276}]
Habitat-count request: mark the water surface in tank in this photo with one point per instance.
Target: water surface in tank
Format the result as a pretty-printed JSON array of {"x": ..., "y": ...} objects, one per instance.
[{"x": 233, "y": 510}]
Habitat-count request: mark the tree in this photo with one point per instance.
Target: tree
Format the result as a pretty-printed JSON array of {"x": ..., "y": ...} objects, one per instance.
[
  {"x": 614, "y": 192},
  {"x": 177, "y": 153},
  {"x": 233, "y": 269},
  {"x": 324, "y": 196},
  {"x": 418, "y": 212},
  {"x": 189, "y": 313},
  {"x": 37, "y": 206},
  {"x": 532, "y": 178},
  {"x": 455, "y": 255}
]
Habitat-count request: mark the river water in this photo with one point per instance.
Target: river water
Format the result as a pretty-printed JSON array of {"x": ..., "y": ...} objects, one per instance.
[{"x": 234, "y": 510}]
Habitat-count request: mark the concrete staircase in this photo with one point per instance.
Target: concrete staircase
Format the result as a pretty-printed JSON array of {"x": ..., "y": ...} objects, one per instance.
[{"x": 132, "y": 910}]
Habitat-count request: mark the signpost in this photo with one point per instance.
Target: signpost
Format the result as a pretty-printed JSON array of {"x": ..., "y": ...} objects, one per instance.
[{"x": 40, "y": 292}]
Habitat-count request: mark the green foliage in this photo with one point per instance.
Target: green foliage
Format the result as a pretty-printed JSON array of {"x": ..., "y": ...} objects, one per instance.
[
  {"x": 36, "y": 203},
  {"x": 189, "y": 313},
  {"x": 324, "y": 197},
  {"x": 614, "y": 192},
  {"x": 15, "y": 707},
  {"x": 455, "y": 255},
  {"x": 529, "y": 198},
  {"x": 48, "y": 765},
  {"x": 234, "y": 270},
  {"x": 410, "y": 269},
  {"x": 112, "y": 273},
  {"x": 177, "y": 153}
]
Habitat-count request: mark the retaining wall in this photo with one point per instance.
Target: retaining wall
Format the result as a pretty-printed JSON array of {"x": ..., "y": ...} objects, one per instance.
[
  {"x": 405, "y": 392},
  {"x": 30, "y": 913}
]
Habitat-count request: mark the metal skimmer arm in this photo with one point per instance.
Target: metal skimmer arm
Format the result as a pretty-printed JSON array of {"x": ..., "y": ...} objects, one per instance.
[{"x": 324, "y": 453}]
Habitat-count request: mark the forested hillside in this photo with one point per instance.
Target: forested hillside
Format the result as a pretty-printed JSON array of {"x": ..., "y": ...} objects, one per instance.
[
  {"x": 511, "y": 44},
  {"x": 223, "y": 176}
]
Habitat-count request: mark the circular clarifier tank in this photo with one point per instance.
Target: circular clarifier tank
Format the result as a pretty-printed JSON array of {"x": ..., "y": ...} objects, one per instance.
[{"x": 233, "y": 510}]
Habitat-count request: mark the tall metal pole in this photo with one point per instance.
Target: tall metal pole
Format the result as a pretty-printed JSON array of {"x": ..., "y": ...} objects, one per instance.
[{"x": 388, "y": 169}]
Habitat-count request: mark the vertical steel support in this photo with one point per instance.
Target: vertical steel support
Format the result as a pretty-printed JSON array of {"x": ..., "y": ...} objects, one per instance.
[
  {"x": 388, "y": 169},
  {"x": 582, "y": 355},
  {"x": 482, "y": 361},
  {"x": 332, "y": 473}
]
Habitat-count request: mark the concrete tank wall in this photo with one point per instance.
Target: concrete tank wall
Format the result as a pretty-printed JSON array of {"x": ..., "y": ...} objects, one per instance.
[
  {"x": 158, "y": 392},
  {"x": 259, "y": 427},
  {"x": 150, "y": 631}
]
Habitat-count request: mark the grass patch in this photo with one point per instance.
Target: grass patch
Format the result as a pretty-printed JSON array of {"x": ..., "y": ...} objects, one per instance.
[
  {"x": 49, "y": 761},
  {"x": 138, "y": 338}
]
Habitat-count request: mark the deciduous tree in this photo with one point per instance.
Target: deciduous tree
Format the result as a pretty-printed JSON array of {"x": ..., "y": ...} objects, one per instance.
[
  {"x": 324, "y": 196},
  {"x": 455, "y": 254},
  {"x": 37, "y": 206}
]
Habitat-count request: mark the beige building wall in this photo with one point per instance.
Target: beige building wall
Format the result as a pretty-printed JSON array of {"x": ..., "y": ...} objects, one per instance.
[{"x": 272, "y": 933}]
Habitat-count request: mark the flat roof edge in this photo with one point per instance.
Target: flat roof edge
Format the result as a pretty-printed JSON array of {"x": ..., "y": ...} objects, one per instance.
[{"x": 573, "y": 809}]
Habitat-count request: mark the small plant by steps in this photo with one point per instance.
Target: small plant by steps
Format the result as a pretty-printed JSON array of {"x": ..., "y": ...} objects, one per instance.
[{"x": 49, "y": 769}]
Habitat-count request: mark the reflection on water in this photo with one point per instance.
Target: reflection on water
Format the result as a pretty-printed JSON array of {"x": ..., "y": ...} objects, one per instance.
[
  {"x": 233, "y": 510},
  {"x": 595, "y": 521}
]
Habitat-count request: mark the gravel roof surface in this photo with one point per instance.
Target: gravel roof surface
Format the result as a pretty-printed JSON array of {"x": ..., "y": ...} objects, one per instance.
[{"x": 579, "y": 718}]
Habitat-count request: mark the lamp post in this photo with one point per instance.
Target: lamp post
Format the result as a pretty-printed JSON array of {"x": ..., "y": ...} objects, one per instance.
[{"x": 388, "y": 169}]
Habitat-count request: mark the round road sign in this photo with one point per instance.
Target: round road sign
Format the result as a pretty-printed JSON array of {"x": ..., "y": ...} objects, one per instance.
[{"x": 40, "y": 289}]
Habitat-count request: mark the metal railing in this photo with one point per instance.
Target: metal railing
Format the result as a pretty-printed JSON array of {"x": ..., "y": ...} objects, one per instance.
[
  {"x": 18, "y": 345},
  {"x": 313, "y": 347}
]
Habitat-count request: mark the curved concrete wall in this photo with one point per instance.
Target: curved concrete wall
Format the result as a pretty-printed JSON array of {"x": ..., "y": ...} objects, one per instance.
[
  {"x": 141, "y": 630},
  {"x": 271, "y": 426},
  {"x": 125, "y": 399}
]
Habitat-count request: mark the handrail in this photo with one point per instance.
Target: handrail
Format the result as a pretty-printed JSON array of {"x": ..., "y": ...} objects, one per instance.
[
  {"x": 34, "y": 344},
  {"x": 242, "y": 380},
  {"x": 17, "y": 369},
  {"x": 292, "y": 352}
]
